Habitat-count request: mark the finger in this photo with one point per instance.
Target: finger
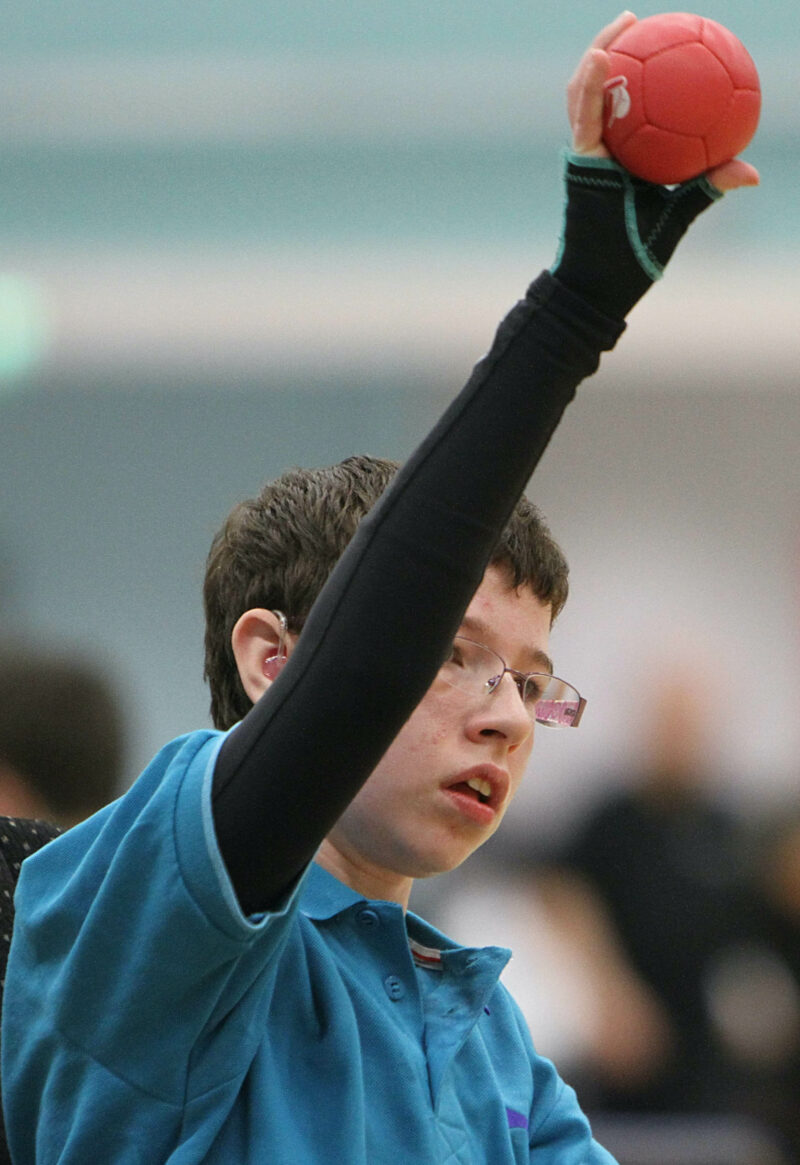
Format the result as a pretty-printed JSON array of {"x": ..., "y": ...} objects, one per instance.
[
  {"x": 585, "y": 97},
  {"x": 601, "y": 41},
  {"x": 731, "y": 175},
  {"x": 612, "y": 31},
  {"x": 585, "y": 102}
]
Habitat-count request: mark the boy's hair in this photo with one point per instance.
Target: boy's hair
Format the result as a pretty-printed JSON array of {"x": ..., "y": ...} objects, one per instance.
[{"x": 276, "y": 551}]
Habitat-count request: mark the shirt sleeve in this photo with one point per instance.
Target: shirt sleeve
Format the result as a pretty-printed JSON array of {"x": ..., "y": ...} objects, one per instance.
[
  {"x": 388, "y": 613},
  {"x": 125, "y": 922}
]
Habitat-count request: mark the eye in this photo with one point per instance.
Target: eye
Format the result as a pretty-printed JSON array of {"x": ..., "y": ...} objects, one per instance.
[
  {"x": 456, "y": 656},
  {"x": 532, "y": 687}
]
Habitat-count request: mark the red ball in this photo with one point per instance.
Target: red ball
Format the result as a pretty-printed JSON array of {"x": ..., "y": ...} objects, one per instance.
[{"x": 683, "y": 95}]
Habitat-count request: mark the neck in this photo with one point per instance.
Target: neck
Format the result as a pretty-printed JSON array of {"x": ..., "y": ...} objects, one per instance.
[{"x": 372, "y": 881}]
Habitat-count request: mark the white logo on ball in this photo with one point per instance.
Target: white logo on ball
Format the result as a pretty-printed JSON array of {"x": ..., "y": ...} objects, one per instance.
[{"x": 619, "y": 99}]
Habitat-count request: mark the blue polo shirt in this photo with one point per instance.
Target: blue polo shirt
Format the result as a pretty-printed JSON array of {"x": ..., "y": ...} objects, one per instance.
[{"x": 147, "y": 1020}]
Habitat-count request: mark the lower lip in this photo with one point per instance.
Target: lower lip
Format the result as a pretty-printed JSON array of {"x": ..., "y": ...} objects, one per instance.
[{"x": 477, "y": 811}]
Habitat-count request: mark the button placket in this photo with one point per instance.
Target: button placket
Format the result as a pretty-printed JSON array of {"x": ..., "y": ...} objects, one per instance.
[
  {"x": 395, "y": 988},
  {"x": 368, "y": 919}
]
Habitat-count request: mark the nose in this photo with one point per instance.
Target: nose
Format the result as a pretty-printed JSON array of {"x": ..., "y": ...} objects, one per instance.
[{"x": 502, "y": 714}]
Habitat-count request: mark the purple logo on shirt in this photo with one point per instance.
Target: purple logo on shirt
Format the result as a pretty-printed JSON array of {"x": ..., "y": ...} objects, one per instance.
[{"x": 516, "y": 1120}]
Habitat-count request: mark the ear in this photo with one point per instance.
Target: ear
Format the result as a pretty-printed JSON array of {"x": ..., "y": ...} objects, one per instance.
[{"x": 255, "y": 640}]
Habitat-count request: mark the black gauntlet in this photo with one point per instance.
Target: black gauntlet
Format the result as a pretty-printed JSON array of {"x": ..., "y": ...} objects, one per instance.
[{"x": 620, "y": 231}]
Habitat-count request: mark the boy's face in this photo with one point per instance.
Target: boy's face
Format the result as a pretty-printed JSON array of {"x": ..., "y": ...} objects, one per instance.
[{"x": 416, "y": 815}]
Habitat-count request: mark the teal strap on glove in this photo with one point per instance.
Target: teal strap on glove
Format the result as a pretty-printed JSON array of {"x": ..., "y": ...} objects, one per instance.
[{"x": 619, "y": 231}]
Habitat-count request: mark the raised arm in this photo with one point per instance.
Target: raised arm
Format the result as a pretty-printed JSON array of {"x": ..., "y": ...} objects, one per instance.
[{"x": 385, "y": 620}]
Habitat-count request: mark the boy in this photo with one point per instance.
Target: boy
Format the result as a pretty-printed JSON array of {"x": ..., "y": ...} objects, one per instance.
[{"x": 187, "y": 984}]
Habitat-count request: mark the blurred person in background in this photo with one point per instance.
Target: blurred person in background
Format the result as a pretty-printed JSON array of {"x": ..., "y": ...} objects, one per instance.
[
  {"x": 656, "y": 879},
  {"x": 19, "y": 838},
  {"x": 573, "y": 982},
  {"x": 756, "y": 989},
  {"x": 62, "y": 739},
  {"x": 62, "y": 735}
]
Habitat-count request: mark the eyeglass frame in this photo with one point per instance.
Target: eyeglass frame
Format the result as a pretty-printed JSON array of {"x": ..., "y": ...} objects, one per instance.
[
  {"x": 521, "y": 677},
  {"x": 274, "y": 664}
]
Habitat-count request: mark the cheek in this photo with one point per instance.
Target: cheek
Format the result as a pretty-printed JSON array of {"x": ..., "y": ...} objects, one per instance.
[
  {"x": 415, "y": 758},
  {"x": 427, "y": 728},
  {"x": 520, "y": 762}
]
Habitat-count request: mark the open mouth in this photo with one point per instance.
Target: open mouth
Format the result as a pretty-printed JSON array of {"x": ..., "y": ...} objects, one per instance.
[
  {"x": 480, "y": 793},
  {"x": 476, "y": 788}
]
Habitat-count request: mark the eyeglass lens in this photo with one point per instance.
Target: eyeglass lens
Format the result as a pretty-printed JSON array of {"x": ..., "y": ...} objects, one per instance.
[{"x": 549, "y": 700}]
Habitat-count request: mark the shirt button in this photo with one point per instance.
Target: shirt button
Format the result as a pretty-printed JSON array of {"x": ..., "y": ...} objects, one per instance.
[
  {"x": 394, "y": 987},
  {"x": 368, "y": 919}
]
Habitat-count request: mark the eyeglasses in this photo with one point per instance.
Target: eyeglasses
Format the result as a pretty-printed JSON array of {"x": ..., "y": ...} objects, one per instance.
[{"x": 478, "y": 670}]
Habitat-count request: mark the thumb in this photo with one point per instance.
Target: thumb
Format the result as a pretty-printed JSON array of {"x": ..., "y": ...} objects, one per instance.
[{"x": 731, "y": 175}]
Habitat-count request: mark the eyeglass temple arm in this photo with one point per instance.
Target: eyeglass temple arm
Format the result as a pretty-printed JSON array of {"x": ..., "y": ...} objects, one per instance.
[{"x": 576, "y": 719}]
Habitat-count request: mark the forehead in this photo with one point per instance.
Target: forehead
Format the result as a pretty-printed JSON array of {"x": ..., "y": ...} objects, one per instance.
[{"x": 512, "y": 620}]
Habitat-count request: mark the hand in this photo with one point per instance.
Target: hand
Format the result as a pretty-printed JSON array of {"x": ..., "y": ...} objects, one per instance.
[
  {"x": 585, "y": 103},
  {"x": 585, "y": 92}
]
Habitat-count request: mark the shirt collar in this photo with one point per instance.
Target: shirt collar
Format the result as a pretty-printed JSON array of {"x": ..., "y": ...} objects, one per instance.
[{"x": 324, "y": 896}]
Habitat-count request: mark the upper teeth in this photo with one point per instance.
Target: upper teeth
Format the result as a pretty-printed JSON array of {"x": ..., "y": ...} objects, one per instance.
[{"x": 480, "y": 786}]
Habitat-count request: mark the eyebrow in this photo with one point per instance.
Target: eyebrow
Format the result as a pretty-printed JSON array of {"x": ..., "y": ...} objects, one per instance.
[{"x": 537, "y": 657}]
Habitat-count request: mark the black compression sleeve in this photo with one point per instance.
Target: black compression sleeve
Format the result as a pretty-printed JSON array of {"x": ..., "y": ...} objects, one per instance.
[{"x": 386, "y": 617}]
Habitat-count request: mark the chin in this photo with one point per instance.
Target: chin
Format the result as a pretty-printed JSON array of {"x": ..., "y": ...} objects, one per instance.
[{"x": 431, "y": 865}]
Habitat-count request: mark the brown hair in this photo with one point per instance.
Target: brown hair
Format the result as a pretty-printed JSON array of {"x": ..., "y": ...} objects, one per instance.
[{"x": 276, "y": 551}]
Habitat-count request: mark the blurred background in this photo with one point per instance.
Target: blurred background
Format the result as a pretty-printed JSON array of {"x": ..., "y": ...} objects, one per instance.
[{"x": 237, "y": 237}]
